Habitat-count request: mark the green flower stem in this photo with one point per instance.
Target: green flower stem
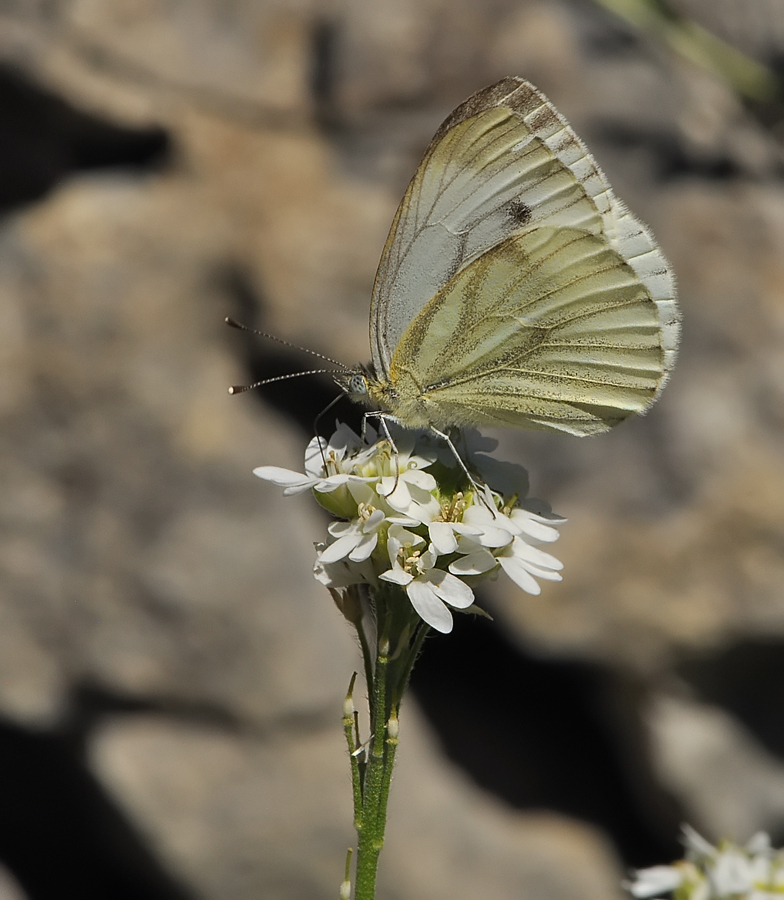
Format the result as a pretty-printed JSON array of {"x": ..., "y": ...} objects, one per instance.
[
  {"x": 389, "y": 764},
  {"x": 352, "y": 739},
  {"x": 660, "y": 18},
  {"x": 345, "y": 887},
  {"x": 408, "y": 663},
  {"x": 367, "y": 658},
  {"x": 400, "y": 633},
  {"x": 371, "y": 838}
]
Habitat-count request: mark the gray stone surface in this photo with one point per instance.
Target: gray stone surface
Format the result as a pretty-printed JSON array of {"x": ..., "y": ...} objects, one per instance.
[
  {"x": 245, "y": 817},
  {"x": 733, "y": 786}
]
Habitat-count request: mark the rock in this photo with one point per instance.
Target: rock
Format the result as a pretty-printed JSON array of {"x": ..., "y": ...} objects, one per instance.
[
  {"x": 239, "y": 815},
  {"x": 732, "y": 786}
]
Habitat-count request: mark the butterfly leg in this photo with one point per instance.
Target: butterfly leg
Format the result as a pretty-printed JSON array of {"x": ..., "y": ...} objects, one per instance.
[
  {"x": 382, "y": 419},
  {"x": 480, "y": 490}
]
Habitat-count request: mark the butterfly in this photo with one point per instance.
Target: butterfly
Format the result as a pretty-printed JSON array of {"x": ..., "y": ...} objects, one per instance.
[{"x": 514, "y": 288}]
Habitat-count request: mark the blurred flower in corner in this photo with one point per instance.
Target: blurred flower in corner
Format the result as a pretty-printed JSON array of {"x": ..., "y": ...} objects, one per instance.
[{"x": 724, "y": 872}]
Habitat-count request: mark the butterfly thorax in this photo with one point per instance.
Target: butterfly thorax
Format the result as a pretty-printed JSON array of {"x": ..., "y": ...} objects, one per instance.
[{"x": 363, "y": 385}]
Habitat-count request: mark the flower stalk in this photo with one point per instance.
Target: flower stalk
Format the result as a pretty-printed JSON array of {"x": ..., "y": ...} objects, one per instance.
[
  {"x": 371, "y": 782},
  {"x": 414, "y": 535}
]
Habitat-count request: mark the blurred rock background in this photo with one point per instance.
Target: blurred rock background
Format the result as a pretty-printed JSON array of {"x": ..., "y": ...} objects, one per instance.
[{"x": 171, "y": 676}]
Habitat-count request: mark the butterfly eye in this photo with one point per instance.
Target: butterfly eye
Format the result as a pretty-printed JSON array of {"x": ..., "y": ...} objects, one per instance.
[{"x": 357, "y": 385}]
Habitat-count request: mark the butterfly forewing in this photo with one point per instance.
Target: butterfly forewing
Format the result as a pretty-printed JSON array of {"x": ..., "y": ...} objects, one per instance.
[{"x": 486, "y": 175}]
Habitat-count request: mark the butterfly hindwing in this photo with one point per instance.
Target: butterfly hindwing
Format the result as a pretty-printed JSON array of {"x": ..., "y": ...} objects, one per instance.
[
  {"x": 636, "y": 244},
  {"x": 551, "y": 329}
]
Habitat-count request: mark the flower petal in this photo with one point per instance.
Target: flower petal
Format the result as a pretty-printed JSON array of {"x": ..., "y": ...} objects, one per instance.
[
  {"x": 315, "y": 454},
  {"x": 343, "y": 573},
  {"x": 425, "y": 511},
  {"x": 450, "y": 589},
  {"x": 462, "y": 528},
  {"x": 494, "y": 530},
  {"x": 478, "y": 516},
  {"x": 732, "y": 873},
  {"x": 395, "y": 491},
  {"x": 397, "y": 575},
  {"x": 374, "y": 521},
  {"x": 338, "y": 529},
  {"x": 344, "y": 440},
  {"x": 517, "y": 571},
  {"x": 695, "y": 842},
  {"x": 403, "y": 536},
  {"x": 527, "y": 553},
  {"x": 339, "y": 549},
  {"x": 423, "y": 480},
  {"x": 443, "y": 538},
  {"x": 294, "y": 482},
  {"x": 476, "y": 563},
  {"x": 365, "y": 546},
  {"x": 428, "y": 559},
  {"x": 429, "y": 606},
  {"x": 532, "y": 526},
  {"x": 655, "y": 881},
  {"x": 539, "y": 572}
]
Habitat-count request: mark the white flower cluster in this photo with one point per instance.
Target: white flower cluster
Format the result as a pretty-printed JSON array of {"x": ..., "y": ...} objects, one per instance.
[
  {"x": 726, "y": 872},
  {"x": 406, "y": 521}
]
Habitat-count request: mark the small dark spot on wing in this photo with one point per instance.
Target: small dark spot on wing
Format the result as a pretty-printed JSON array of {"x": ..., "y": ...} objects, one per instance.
[{"x": 519, "y": 212}]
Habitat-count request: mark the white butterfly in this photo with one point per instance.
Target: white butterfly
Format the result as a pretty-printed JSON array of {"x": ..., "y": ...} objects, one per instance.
[{"x": 514, "y": 288}]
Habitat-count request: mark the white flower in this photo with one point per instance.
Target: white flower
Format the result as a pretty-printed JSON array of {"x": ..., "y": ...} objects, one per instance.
[
  {"x": 356, "y": 539},
  {"x": 328, "y": 465},
  {"x": 404, "y": 484},
  {"x": 731, "y": 873},
  {"x": 410, "y": 492},
  {"x": 655, "y": 881},
  {"x": 753, "y": 872},
  {"x": 521, "y": 562},
  {"x": 429, "y": 589},
  {"x": 697, "y": 848},
  {"x": 420, "y": 529},
  {"x": 342, "y": 574},
  {"x": 507, "y": 541},
  {"x": 344, "y": 461}
]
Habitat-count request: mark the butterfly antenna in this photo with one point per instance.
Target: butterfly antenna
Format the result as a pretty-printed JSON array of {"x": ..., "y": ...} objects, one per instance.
[
  {"x": 241, "y": 388},
  {"x": 271, "y": 337}
]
